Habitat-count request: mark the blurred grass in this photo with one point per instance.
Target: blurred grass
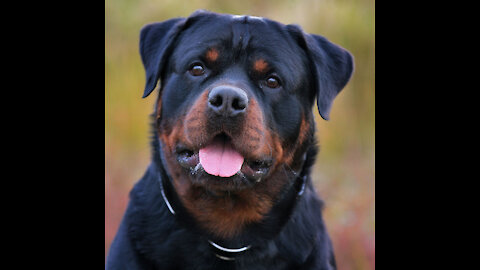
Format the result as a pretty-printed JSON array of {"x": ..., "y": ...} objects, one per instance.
[{"x": 344, "y": 172}]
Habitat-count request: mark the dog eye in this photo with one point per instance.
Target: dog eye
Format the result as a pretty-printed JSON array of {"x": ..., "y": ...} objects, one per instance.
[
  {"x": 197, "y": 69},
  {"x": 273, "y": 82}
]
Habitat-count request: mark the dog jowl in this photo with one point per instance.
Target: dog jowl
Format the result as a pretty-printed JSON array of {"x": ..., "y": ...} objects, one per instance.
[{"x": 233, "y": 144}]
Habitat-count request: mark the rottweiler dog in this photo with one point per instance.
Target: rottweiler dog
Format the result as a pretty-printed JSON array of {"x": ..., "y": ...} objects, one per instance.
[{"x": 233, "y": 143}]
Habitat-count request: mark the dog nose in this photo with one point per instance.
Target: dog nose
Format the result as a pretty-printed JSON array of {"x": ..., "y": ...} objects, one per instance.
[{"x": 227, "y": 100}]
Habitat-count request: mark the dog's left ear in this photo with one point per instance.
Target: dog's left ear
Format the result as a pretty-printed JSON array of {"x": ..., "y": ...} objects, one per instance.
[
  {"x": 332, "y": 67},
  {"x": 155, "y": 43}
]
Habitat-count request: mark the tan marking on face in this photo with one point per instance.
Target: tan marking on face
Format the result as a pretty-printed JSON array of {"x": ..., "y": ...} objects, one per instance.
[
  {"x": 303, "y": 134},
  {"x": 260, "y": 65},
  {"x": 212, "y": 55},
  {"x": 158, "y": 113},
  {"x": 195, "y": 123},
  {"x": 304, "y": 131}
]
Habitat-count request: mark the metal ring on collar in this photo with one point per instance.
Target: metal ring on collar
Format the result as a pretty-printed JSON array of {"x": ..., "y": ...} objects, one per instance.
[{"x": 231, "y": 250}]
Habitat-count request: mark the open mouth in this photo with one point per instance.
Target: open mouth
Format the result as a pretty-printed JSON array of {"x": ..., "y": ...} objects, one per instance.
[{"x": 220, "y": 158}]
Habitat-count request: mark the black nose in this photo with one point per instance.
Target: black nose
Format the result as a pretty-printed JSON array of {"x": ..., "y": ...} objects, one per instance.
[{"x": 227, "y": 100}]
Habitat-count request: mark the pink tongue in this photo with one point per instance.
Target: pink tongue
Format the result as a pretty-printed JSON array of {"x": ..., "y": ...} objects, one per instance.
[{"x": 220, "y": 159}]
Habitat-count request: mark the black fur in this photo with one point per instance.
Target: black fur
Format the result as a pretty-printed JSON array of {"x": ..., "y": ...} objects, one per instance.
[{"x": 292, "y": 235}]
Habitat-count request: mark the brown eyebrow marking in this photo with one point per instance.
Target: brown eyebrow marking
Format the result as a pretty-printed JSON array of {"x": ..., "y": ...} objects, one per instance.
[
  {"x": 260, "y": 65},
  {"x": 212, "y": 55}
]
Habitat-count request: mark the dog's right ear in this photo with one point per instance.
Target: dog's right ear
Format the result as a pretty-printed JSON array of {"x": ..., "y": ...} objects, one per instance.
[{"x": 156, "y": 40}]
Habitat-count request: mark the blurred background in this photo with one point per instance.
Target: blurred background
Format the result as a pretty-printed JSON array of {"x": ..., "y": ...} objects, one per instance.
[{"x": 345, "y": 170}]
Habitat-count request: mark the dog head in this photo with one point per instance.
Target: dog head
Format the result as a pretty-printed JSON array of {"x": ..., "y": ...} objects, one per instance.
[{"x": 234, "y": 110}]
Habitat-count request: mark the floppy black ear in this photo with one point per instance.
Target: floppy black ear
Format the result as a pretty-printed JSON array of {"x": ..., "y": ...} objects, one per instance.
[
  {"x": 155, "y": 42},
  {"x": 332, "y": 67}
]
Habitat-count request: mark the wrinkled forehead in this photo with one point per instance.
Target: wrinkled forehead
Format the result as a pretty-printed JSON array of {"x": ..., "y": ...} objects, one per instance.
[{"x": 235, "y": 34}]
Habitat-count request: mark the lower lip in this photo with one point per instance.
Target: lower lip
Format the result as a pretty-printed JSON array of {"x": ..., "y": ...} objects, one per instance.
[
  {"x": 254, "y": 174},
  {"x": 188, "y": 160}
]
